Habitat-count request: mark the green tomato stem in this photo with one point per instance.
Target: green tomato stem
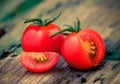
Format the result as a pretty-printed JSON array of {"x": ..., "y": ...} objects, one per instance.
[
  {"x": 41, "y": 22},
  {"x": 48, "y": 21},
  {"x": 69, "y": 29},
  {"x": 33, "y": 20}
]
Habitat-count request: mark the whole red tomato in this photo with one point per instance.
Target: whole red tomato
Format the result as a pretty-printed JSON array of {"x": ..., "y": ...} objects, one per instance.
[
  {"x": 82, "y": 49},
  {"x": 36, "y": 37},
  {"x": 39, "y": 61}
]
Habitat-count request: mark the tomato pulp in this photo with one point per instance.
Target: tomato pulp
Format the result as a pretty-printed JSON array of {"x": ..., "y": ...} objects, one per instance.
[{"x": 38, "y": 61}]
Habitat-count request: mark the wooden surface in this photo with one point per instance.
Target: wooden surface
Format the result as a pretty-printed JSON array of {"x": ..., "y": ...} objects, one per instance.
[{"x": 101, "y": 15}]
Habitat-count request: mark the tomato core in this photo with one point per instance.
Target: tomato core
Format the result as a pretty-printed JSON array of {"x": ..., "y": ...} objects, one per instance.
[
  {"x": 40, "y": 58},
  {"x": 91, "y": 48}
]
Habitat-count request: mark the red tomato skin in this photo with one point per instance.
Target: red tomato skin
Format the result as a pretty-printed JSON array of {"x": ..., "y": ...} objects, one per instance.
[
  {"x": 93, "y": 35},
  {"x": 37, "y": 38},
  {"x": 27, "y": 61},
  {"x": 74, "y": 53}
]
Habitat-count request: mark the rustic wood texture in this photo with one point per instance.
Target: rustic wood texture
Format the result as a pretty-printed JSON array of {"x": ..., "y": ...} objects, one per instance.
[{"x": 101, "y": 15}]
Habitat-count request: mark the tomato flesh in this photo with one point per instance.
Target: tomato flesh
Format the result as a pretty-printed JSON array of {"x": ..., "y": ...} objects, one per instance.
[
  {"x": 84, "y": 49},
  {"x": 37, "y": 38},
  {"x": 38, "y": 61}
]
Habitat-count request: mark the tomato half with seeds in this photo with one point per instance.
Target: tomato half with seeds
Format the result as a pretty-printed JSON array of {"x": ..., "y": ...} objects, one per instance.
[
  {"x": 38, "y": 61},
  {"x": 36, "y": 37},
  {"x": 82, "y": 48}
]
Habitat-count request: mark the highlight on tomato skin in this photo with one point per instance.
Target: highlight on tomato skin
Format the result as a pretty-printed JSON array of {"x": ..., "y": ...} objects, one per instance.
[{"x": 39, "y": 61}]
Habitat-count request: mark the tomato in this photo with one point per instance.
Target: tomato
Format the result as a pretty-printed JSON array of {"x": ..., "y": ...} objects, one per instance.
[
  {"x": 82, "y": 48},
  {"x": 39, "y": 61},
  {"x": 36, "y": 37}
]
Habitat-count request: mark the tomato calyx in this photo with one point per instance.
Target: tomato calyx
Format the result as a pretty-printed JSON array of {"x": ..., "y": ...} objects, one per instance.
[
  {"x": 39, "y": 21},
  {"x": 69, "y": 29}
]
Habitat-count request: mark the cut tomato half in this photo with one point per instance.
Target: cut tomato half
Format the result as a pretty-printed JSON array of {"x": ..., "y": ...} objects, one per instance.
[{"x": 39, "y": 61}]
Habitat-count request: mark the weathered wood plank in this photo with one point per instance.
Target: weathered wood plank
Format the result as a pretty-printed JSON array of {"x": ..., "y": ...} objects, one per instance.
[{"x": 102, "y": 16}]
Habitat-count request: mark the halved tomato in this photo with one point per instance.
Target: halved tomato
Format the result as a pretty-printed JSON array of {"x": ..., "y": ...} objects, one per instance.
[
  {"x": 82, "y": 48},
  {"x": 39, "y": 61}
]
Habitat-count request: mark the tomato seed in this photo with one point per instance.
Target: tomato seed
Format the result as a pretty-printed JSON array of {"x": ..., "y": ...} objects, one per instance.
[{"x": 40, "y": 58}]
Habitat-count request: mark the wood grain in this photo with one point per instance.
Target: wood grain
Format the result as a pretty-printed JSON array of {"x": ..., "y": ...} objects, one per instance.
[{"x": 100, "y": 15}]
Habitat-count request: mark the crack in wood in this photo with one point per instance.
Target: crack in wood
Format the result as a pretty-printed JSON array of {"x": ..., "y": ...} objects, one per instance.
[
  {"x": 9, "y": 50},
  {"x": 116, "y": 66},
  {"x": 100, "y": 78},
  {"x": 102, "y": 15},
  {"x": 2, "y": 32}
]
